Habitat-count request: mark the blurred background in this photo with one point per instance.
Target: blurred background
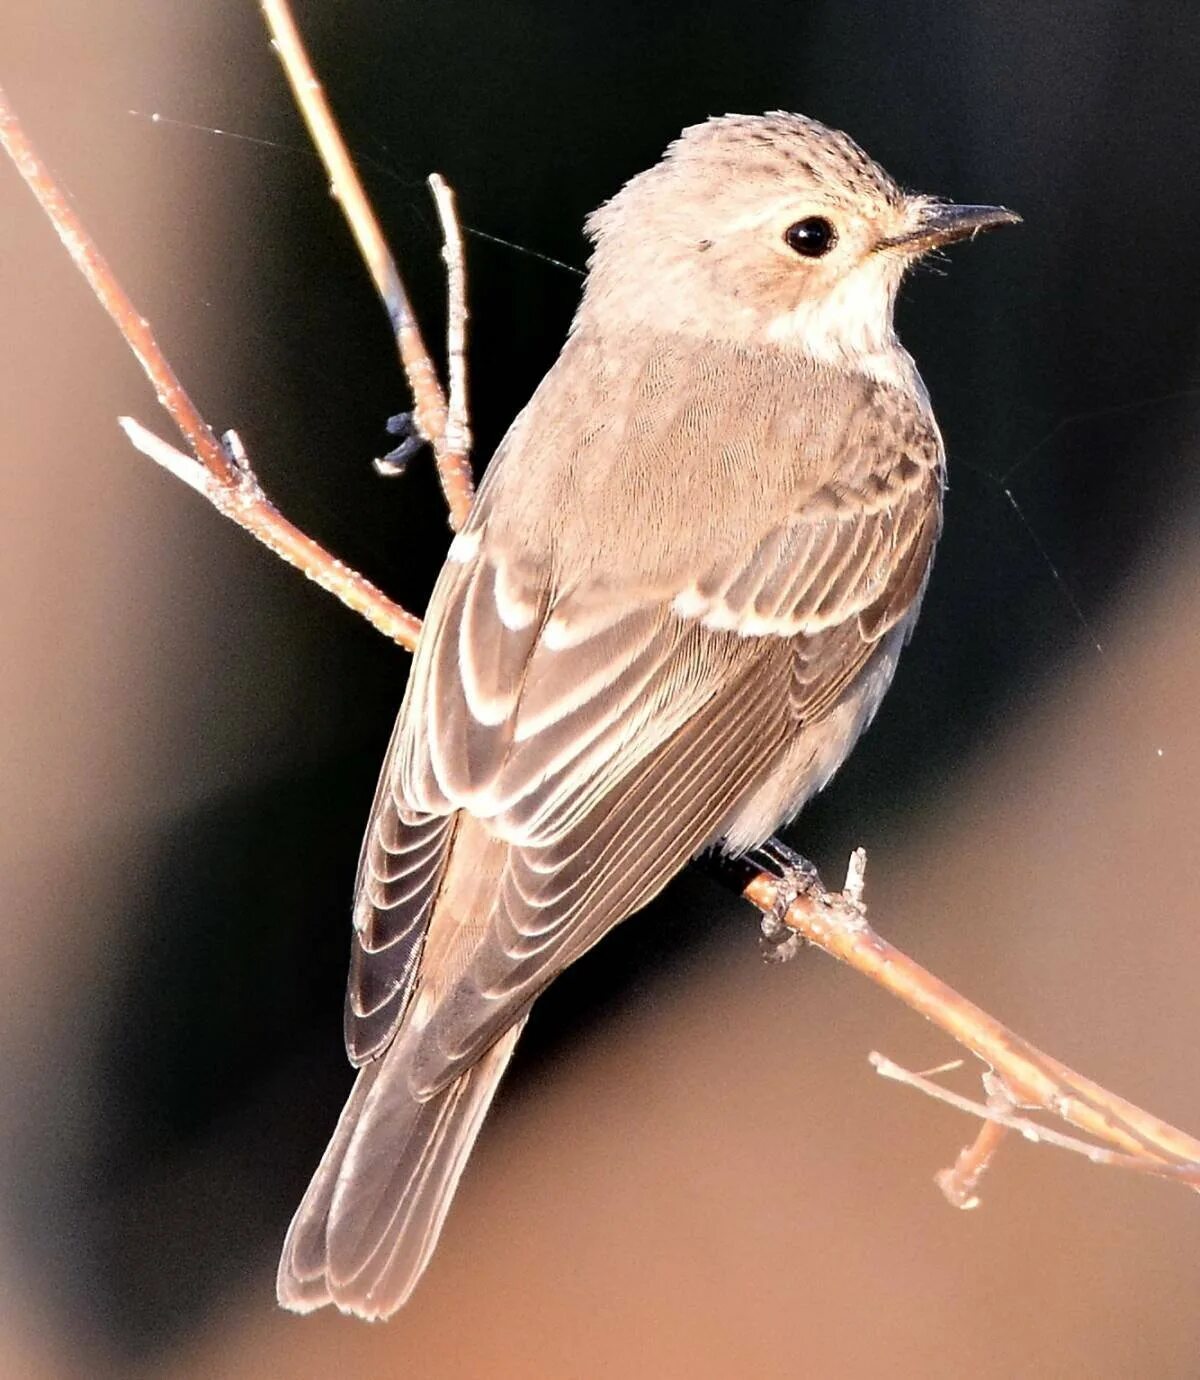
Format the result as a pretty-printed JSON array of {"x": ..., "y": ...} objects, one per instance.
[{"x": 691, "y": 1170}]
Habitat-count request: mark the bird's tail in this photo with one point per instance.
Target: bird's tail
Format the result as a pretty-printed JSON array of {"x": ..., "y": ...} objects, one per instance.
[{"x": 372, "y": 1214}]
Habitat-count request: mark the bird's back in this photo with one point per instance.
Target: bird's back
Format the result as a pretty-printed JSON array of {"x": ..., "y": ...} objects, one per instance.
[{"x": 646, "y": 457}]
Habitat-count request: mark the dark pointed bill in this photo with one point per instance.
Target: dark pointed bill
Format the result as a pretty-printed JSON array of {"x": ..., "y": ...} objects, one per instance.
[{"x": 943, "y": 223}]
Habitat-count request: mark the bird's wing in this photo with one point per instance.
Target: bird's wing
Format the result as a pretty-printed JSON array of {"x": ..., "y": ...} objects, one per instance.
[
  {"x": 403, "y": 858},
  {"x": 605, "y": 739},
  {"x": 529, "y": 729},
  {"x": 601, "y": 724},
  {"x": 836, "y": 576}
]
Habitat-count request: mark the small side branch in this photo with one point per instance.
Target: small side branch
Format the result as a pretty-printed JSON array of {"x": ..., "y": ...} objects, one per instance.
[
  {"x": 1030, "y": 1078},
  {"x": 244, "y": 502},
  {"x": 454, "y": 461},
  {"x": 960, "y": 1183},
  {"x": 447, "y": 435},
  {"x": 999, "y": 1119}
]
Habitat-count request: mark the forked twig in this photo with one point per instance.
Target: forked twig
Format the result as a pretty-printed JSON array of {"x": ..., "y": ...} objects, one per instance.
[
  {"x": 837, "y": 924},
  {"x": 222, "y": 474},
  {"x": 242, "y": 500},
  {"x": 450, "y": 445},
  {"x": 999, "y": 1118},
  {"x": 1032, "y": 1079}
]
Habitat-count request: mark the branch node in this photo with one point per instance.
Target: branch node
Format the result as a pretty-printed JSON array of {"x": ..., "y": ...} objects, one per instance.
[{"x": 856, "y": 877}]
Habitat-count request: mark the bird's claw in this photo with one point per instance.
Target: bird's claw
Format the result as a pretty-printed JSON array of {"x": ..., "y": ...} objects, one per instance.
[
  {"x": 404, "y": 425},
  {"x": 795, "y": 877}
]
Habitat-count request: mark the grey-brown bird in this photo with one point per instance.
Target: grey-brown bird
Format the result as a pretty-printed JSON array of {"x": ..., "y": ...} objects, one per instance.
[{"x": 676, "y": 604}]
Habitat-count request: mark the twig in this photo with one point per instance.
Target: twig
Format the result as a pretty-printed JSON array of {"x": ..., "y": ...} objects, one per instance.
[
  {"x": 430, "y": 409},
  {"x": 244, "y": 502},
  {"x": 112, "y": 297},
  {"x": 454, "y": 463},
  {"x": 999, "y": 1120},
  {"x": 836, "y": 924},
  {"x": 221, "y": 473}
]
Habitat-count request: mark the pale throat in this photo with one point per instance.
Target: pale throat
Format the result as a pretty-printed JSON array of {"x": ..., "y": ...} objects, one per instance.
[{"x": 850, "y": 327}]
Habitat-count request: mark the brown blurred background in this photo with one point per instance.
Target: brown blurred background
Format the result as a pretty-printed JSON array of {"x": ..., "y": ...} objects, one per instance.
[{"x": 691, "y": 1170}]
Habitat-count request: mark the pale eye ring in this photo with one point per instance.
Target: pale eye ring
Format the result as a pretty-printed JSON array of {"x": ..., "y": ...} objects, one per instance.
[{"x": 813, "y": 237}]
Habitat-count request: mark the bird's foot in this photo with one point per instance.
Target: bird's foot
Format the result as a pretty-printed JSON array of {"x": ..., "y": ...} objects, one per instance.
[
  {"x": 404, "y": 425},
  {"x": 795, "y": 877}
]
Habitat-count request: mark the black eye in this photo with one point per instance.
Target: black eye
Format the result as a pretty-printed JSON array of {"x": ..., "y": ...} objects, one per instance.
[{"x": 812, "y": 237}]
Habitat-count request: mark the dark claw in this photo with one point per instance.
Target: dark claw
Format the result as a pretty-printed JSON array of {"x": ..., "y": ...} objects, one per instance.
[
  {"x": 773, "y": 856},
  {"x": 782, "y": 862},
  {"x": 795, "y": 876},
  {"x": 395, "y": 461},
  {"x": 733, "y": 873}
]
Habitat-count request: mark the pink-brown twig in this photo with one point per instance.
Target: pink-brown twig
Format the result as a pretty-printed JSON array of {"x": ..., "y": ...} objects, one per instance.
[
  {"x": 450, "y": 444},
  {"x": 1000, "y": 1118},
  {"x": 221, "y": 472},
  {"x": 1033, "y": 1079}
]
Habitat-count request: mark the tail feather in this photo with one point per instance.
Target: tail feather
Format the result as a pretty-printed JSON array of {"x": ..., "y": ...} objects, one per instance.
[{"x": 368, "y": 1224}]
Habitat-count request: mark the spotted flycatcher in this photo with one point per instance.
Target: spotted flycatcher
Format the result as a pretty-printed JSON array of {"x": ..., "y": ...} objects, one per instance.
[{"x": 677, "y": 602}]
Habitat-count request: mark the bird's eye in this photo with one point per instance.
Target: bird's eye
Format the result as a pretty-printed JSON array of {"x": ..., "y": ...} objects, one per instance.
[{"x": 813, "y": 237}]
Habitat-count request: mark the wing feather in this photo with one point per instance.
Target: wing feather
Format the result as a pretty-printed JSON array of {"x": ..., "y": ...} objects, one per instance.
[
  {"x": 555, "y": 902},
  {"x": 602, "y": 732},
  {"x": 403, "y": 857}
]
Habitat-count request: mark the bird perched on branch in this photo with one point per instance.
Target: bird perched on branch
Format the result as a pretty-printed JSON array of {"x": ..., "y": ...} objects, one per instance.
[{"x": 677, "y": 602}]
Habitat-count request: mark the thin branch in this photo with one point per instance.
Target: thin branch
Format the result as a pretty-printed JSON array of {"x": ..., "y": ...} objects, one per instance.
[
  {"x": 838, "y": 925},
  {"x": 455, "y": 463},
  {"x": 430, "y": 408},
  {"x": 996, "y": 1116},
  {"x": 347, "y": 189},
  {"x": 113, "y": 298}
]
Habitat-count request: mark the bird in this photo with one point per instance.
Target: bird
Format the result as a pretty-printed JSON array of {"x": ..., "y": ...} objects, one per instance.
[{"x": 677, "y": 602}]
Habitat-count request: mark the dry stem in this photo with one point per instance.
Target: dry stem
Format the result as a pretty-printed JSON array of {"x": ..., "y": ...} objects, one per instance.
[
  {"x": 454, "y": 459},
  {"x": 999, "y": 1119},
  {"x": 222, "y": 474},
  {"x": 836, "y": 924},
  {"x": 450, "y": 443},
  {"x": 1033, "y": 1079}
]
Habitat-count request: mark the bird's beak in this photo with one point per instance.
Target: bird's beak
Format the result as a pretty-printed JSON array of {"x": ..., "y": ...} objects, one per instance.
[{"x": 942, "y": 223}]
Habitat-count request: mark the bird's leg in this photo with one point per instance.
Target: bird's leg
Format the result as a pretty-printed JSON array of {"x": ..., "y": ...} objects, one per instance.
[
  {"x": 404, "y": 425},
  {"x": 794, "y": 875}
]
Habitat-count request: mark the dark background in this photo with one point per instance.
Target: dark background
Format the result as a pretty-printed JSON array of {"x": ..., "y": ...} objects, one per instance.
[{"x": 194, "y": 732}]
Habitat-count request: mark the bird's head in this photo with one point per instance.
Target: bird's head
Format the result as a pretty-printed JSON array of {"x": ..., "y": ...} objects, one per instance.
[{"x": 767, "y": 230}]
